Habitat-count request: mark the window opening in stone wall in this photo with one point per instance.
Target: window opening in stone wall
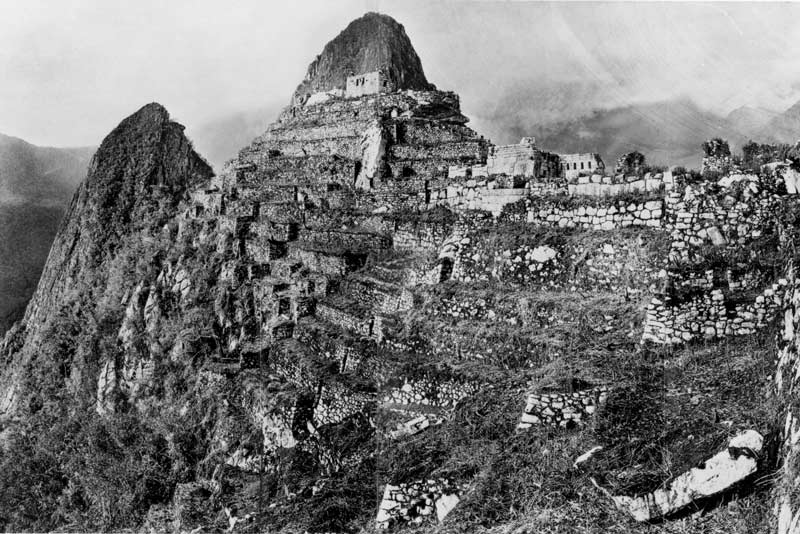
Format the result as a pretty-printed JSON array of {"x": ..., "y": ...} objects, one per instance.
[{"x": 284, "y": 305}]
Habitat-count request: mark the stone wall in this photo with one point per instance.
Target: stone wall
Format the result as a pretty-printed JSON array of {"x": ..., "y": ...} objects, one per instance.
[
  {"x": 787, "y": 505},
  {"x": 522, "y": 159},
  {"x": 345, "y": 319},
  {"x": 417, "y": 501},
  {"x": 367, "y": 84},
  {"x": 610, "y": 215},
  {"x": 422, "y": 236},
  {"x": 698, "y": 216},
  {"x": 573, "y": 165},
  {"x": 609, "y": 186},
  {"x": 429, "y": 392},
  {"x": 379, "y": 296},
  {"x": 562, "y": 410},
  {"x": 729, "y": 215},
  {"x": 559, "y": 260},
  {"x": 335, "y": 403},
  {"x": 710, "y": 316},
  {"x": 524, "y": 264},
  {"x": 487, "y": 195}
]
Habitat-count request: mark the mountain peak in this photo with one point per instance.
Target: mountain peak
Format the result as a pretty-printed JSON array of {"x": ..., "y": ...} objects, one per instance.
[
  {"x": 149, "y": 116},
  {"x": 369, "y": 43}
]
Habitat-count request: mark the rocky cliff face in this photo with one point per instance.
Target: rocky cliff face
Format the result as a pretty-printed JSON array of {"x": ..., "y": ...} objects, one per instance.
[
  {"x": 136, "y": 179},
  {"x": 344, "y": 331},
  {"x": 369, "y": 43}
]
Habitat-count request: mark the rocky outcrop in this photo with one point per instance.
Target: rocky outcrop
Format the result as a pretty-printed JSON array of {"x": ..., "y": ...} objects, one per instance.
[
  {"x": 136, "y": 180},
  {"x": 369, "y": 43}
]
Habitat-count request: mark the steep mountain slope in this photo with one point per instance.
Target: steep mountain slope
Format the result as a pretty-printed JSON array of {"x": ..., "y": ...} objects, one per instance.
[
  {"x": 35, "y": 186},
  {"x": 749, "y": 120},
  {"x": 113, "y": 229},
  {"x": 39, "y": 175},
  {"x": 136, "y": 179},
  {"x": 784, "y": 128}
]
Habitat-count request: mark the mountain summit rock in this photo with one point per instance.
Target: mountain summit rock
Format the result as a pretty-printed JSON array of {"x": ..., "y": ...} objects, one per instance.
[
  {"x": 140, "y": 173},
  {"x": 137, "y": 177},
  {"x": 369, "y": 43}
]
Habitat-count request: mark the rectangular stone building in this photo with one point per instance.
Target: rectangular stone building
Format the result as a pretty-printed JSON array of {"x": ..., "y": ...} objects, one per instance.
[
  {"x": 522, "y": 159},
  {"x": 368, "y": 83},
  {"x": 572, "y": 165}
]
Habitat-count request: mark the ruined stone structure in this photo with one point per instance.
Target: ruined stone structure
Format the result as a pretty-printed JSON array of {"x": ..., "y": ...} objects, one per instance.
[
  {"x": 717, "y": 156},
  {"x": 523, "y": 159},
  {"x": 368, "y": 83},
  {"x": 559, "y": 410},
  {"x": 340, "y": 331},
  {"x": 573, "y": 165},
  {"x": 417, "y": 501}
]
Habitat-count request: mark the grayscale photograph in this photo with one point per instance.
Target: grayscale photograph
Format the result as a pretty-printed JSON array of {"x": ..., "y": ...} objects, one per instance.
[{"x": 402, "y": 266}]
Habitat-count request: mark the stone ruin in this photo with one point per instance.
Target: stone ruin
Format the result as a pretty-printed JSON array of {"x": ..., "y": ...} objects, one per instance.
[
  {"x": 717, "y": 156},
  {"x": 417, "y": 501},
  {"x": 328, "y": 249},
  {"x": 562, "y": 410},
  {"x": 573, "y": 165},
  {"x": 369, "y": 83}
]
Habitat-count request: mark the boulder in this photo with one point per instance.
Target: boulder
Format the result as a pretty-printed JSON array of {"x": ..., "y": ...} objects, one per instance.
[
  {"x": 719, "y": 473},
  {"x": 445, "y": 505},
  {"x": 373, "y": 152},
  {"x": 791, "y": 178},
  {"x": 543, "y": 254},
  {"x": 715, "y": 236}
]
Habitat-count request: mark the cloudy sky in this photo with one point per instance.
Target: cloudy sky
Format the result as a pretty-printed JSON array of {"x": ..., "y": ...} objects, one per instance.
[{"x": 70, "y": 70}]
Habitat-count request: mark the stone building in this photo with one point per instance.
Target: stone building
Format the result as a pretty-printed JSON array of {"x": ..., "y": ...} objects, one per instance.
[
  {"x": 573, "y": 164},
  {"x": 522, "y": 159},
  {"x": 368, "y": 83}
]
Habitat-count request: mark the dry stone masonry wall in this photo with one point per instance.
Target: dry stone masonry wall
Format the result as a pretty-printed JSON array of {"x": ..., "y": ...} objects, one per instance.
[
  {"x": 614, "y": 215},
  {"x": 730, "y": 218},
  {"x": 562, "y": 410},
  {"x": 417, "y": 502},
  {"x": 787, "y": 379},
  {"x": 710, "y": 316}
]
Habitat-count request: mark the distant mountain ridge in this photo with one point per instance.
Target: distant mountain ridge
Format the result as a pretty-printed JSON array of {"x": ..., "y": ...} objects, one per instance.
[
  {"x": 749, "y": 119},
  {"x": 44, "y": 175},
  {"x": 668, "y": 132},
  {"x": 36, "y": 184},
  {"x": 783, "y": 128}
]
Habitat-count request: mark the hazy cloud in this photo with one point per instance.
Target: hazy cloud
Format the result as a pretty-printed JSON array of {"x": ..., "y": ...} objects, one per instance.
[{"x": 72, "y": 69}]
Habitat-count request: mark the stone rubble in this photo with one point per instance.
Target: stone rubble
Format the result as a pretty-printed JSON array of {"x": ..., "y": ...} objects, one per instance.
[
  {"x": 562, "y": 410},
  {"x": 417, "y": 501}
]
